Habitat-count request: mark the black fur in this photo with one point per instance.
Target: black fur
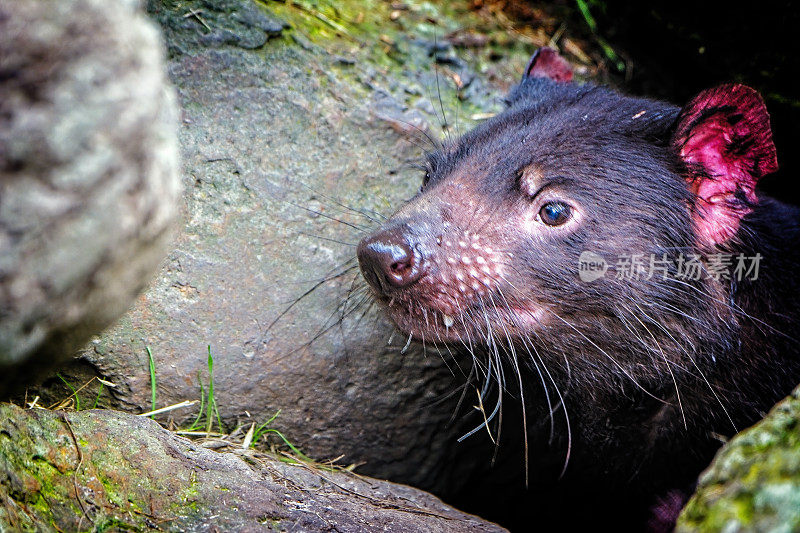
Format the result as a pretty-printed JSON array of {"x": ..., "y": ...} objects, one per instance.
[{"x": 639, "y": 379}]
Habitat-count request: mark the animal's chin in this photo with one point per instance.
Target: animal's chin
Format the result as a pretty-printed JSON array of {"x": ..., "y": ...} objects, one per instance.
[{"x": 474, "y": 325}]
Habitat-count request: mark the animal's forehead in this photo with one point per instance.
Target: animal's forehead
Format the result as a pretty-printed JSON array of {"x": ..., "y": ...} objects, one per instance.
[
  {"x": 555, "y": 125},
  {"x": 520, "y": 139},
  {"x": 581, "y": 132}
]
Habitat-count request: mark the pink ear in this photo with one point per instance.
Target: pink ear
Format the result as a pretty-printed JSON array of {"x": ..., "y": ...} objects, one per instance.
[
  {"x": 724, "y": 138},
  {"x": 546, "y": 63}
]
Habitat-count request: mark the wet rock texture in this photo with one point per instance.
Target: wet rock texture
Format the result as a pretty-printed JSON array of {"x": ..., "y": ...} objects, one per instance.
[
  {"x": 89, "y": 183},
  {"x": 293, "y": 146},
  {"x": 109, "y": 471},
  {"x": 754, "y": 482}
]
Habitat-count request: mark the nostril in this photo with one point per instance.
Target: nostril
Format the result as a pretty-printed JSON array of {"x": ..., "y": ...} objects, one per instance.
[
  {"x": 401, "y": 272},
  {"x": 399, "y": 268},
  {"x": 388, "y": 261}
]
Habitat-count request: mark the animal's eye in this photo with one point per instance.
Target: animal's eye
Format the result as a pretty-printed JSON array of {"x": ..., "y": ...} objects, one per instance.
[
  {"x": 555, "y": 213},
  {"x": 425, "y": 179}
]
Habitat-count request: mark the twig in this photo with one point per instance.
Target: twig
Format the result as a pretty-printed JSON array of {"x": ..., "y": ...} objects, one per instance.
[
  {"x": 248, "y": 438},
  {"x": 172, "y": 407},
  {"x": 199, "y": 434},
  {"x": 77, "y": 468},
  {"x": 76, "y": 391},
  {"x": 196, "y": 14}
]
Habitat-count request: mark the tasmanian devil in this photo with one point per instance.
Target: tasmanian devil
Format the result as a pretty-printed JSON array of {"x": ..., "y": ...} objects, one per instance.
[{"x": 610, "y": 263}]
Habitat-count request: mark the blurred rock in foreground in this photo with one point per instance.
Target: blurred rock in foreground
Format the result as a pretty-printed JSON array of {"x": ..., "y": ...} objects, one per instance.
[{"x": 88, "y": 173}]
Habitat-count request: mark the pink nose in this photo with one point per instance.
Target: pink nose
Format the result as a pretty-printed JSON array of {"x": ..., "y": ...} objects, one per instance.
[{"x": 388, "y": 261}]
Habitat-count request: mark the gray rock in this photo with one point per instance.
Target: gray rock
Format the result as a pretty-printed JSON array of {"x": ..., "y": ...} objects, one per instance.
[
  {"x": 88, "y": 172},
  {"x": 287, "y": 160},
  {"x": 102, "y": 470},
  {"x": 270, "y": 156},
  {"x": 216, "y": 23}
]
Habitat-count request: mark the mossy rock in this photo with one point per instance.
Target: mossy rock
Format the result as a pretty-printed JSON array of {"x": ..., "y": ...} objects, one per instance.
[
  {"x": 102, "y": 470},
  {"x": 754, "y": 482}
]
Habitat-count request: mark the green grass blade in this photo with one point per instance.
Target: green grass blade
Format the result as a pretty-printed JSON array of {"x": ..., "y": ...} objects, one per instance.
[
  {"x": 611, "y": 55},
  {"x": 291, "y": 446},
  {"x": 152, "y": 380},
  {"x": 259, "y": 431},
  {"x": 74, "y": 392},
  {"x": 97, "y": 398},
  {"x": 196, "y": 424},
  {"x": 583, "y": 7},
  {"x": 211, "y": 404}
]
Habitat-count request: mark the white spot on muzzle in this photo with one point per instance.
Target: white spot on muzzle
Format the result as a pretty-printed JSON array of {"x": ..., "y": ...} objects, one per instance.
[{"x": 448, "y": 321}]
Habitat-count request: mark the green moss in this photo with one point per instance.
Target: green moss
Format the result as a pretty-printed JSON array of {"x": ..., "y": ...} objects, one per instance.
[
  {"x": 115, "y": 524},
  {"x": 274, "y": 524},
  {"x": 32, "y": 481},
  {"x": 185, "y": 504},
  {"x": 114, "y": 494},
  {"x": 364, "y": 33},
  {"x": 754, "y": 482},
  {"x": 42, "y": 483}
]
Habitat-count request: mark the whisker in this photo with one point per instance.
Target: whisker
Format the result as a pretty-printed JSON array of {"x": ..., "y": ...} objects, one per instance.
[
  {"x": 610, "y": 358},
  {"x": 669, "y": 368}
]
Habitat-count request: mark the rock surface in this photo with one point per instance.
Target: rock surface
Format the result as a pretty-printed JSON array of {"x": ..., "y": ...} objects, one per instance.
[
  {"x": 754, "y": 482},
  {"x": 291, "y": 151},
  {"x": 102, "y": 470},
  {"x": 89, "y": 184}
]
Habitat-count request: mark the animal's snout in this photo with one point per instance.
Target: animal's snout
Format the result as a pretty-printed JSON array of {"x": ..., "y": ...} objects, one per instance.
[{"x": 389, "y": 260}]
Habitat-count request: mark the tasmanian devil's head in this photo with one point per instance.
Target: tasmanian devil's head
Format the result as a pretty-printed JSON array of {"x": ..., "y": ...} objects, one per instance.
[{"x": 489, "y": 250}]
